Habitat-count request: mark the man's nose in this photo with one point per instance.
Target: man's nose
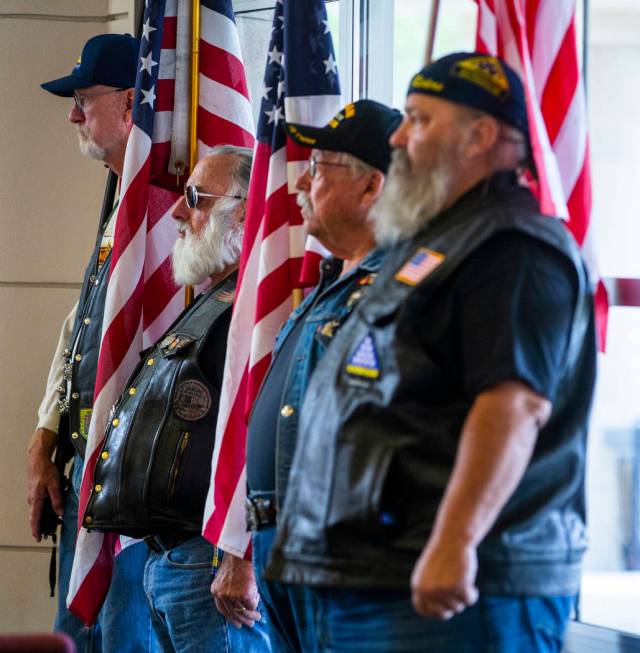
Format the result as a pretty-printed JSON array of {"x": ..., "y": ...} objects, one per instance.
[{"x": 303, "y": 182}]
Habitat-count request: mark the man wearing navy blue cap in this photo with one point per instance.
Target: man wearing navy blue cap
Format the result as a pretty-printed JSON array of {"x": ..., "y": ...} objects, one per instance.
[
  {"x": 436, "y": 497},
  {"x": 102, "y": 87},
  {"x": 345, "y": 175}
]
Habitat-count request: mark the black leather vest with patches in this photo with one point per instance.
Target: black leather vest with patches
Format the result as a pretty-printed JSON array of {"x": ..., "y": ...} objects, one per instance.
[
  {"x": 152, "y": 474},
  {"x": 81, "y": 355}
]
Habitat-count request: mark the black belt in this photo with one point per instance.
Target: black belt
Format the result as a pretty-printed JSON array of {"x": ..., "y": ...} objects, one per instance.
[
  {"x": 260, "y": 510},
  {"x": 162, "y": 543}
]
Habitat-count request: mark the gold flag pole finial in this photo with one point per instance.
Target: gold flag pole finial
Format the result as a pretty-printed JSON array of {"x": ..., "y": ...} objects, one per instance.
[{"x": 195, "y": 92}]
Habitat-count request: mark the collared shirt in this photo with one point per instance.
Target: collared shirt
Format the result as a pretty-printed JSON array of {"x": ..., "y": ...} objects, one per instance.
[{"x": 300, "y": 345}]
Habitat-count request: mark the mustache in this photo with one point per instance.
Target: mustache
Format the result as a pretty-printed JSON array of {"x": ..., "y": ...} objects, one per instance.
[{"x": 303, "y": 201}]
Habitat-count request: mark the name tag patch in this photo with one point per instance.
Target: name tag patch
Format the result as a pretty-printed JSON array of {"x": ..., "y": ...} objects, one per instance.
[
  {"x": 364, "y": 361},
  {"x": 419, "y": 266}
]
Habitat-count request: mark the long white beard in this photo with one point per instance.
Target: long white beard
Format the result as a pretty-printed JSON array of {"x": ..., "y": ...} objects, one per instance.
[
  {"x": 88, "y": 146},
  {"x": 194, "y": 258},
  {"x": 409, "y": 198}
]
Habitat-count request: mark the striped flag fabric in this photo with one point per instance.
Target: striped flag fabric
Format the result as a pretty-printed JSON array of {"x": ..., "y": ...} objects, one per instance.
[
  {"x": 142, "y": 299},
  {"x": 300, "y": 85},
  {"x": 538, "y": 39}
]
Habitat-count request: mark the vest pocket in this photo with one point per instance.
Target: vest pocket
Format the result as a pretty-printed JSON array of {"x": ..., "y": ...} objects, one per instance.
[{"x": 177, "y": 464}]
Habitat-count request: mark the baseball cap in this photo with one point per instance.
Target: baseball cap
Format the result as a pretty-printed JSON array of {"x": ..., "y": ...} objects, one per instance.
[
  {"x": 361, "y": 129},
  {"x": 109, "y": 59},
  {"x": 476, "y": 80}
]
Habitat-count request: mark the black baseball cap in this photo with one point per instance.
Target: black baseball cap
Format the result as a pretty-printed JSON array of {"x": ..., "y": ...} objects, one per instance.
[
  {"x": 362, "y": 129},
  {"x": 479, "y": 81},
  {"x": 109, "y": 59}
]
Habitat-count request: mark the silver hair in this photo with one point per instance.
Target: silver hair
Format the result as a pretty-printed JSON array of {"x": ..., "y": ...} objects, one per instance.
[{"x": 241, "y": 172}]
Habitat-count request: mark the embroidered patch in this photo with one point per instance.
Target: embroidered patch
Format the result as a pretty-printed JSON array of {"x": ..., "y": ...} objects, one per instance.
[
  {"x": 486, "y": 72},
  {"x": 420, "y": 265},
  {"x": 192, "y": 400},
  {"x": 85, "y": 420},
  {"x": 364, "y": 361},
  {"x": 354, "y": 297},
  {"x": 173, "y": 342}
]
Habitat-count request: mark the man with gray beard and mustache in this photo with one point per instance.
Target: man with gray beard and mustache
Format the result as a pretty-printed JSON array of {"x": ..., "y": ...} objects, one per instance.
[
  {"x": 436, "y": 497},
  {"x": 344, "y": 177},
  {"x": 101, "y": 88},
  {"x": 152, "y": 475}
]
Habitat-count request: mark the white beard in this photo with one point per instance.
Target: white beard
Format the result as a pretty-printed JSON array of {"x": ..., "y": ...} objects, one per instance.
[
  {"x": 88, "y": 146},
  {"x": 194, "y": 258},
  {"x": 409, "y": 198}
]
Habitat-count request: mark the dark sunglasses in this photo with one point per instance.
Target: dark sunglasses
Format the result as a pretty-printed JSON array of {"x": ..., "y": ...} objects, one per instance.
[{"x": 192, "y": 196}]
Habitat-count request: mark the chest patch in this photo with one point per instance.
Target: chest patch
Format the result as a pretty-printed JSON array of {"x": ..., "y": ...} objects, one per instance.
[
  {"x": 364, "y": 361},
  {"x": 173, "y": 343},
  {"x": 419, "y": 266},
  {"x": 192, "y": 400},
  {"x": 368, "y": 279}
]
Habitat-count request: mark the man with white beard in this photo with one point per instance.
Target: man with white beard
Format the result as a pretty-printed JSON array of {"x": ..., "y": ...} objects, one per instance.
[
  {"x": 450, "y": 412},
  {"x": 153, "y": 472}
]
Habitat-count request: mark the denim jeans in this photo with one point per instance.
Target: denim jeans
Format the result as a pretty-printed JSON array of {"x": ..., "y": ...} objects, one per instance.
[
  {"x": 124, "y": 623},
  {"x": 286, "y": 605},
  {"x": 184, "y": 616},
  {"x": 385, "y": 622}
]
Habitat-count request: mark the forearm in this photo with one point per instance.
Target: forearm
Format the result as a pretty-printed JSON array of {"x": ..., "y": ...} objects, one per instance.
[{"x": 496, "y": 444}]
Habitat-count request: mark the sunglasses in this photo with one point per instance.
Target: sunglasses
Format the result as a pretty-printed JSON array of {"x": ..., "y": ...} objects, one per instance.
[{"x": 192, "y": 196}]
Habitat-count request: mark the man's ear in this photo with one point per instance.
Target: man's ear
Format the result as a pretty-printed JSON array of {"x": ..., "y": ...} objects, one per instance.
[
  {"x": 375, "y": 182},
  {"x": 129, "y": 95},
  {"x": 482, "y": 135}
]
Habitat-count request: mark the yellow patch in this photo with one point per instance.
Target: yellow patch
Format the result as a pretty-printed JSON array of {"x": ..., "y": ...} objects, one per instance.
[
  {"x": 307, "y": 140},
  {"x": 350, "y": 111},
  {"x": 426, "y": 83},
  {"x": 486, "y": 72},
  {"x": 85, "y": 420}
]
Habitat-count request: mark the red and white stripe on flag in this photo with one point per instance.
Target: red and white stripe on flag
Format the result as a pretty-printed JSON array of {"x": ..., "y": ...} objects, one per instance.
[
  {"x": 538, "y": 39},
  {"x": 273, "y": 247}
]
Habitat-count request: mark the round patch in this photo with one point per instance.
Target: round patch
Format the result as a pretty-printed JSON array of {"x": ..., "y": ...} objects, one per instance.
[{"x": 192, "y": 400}]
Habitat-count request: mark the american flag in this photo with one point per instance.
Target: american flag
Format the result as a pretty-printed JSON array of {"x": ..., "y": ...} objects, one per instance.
[
  {"x": 538, "y": 39},
  {"x": 142, "y": 298},
  {"x": 300, "y": 85}
]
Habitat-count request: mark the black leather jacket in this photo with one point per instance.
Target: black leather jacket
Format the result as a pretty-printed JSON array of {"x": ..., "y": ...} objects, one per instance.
[
  {"x": 153, "y": 472},
  {"x": 376, "y": 448}
]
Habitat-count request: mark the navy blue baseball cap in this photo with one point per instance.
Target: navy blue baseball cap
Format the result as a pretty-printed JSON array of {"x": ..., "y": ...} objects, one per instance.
[
  {"x": 109, "y": 59},
  {"x": 479, "y": 81},
  {"x": 361, "y": 129}
]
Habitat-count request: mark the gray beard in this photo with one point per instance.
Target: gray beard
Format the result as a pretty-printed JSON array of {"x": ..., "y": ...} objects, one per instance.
[
  {"x": 89, "y": 147},
  {"x": 410, "y": 199},
  {"x": 195, "y": 258}
]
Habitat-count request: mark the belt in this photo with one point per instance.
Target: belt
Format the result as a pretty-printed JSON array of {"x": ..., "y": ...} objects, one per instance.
[
  {"x": 260, "y": 510},
  {"x": 162, "y": 543}
]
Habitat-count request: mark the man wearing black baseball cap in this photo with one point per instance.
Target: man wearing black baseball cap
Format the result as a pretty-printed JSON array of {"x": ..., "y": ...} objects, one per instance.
[
  {"x": 102, "y": 87},
  {"x": 436, "y": 498},
  {"x": 344, "y": 177}
]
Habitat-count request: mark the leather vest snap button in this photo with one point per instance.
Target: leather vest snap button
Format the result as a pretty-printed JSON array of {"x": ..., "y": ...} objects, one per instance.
[
  {"x": 75, "y": 435},
  {"x": 287, "y": 411}
]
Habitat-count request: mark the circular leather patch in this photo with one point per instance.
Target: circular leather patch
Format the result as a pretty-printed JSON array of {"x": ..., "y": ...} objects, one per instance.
[{"x": 192, "y": 400}]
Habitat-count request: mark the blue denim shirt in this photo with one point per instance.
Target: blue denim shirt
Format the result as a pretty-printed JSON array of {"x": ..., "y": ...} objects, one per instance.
[{"x": 324, "y": 311}]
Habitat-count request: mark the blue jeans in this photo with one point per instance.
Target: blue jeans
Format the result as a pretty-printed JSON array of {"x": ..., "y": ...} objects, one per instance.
[
  {"x": 184, "y": 616},
  {"x": 124, "y": 623},
  {"x": 378, "y": 621},
  {"x": 286, "y": 605}
]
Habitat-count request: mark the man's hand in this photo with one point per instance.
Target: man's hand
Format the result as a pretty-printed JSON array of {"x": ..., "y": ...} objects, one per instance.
[
  {"x": 235, "y": 591},
  {"x": 43, "y": 479},
  {"x": 443, "y": 579}
]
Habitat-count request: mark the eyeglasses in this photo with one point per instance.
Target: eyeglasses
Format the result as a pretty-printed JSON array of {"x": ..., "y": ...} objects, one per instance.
[
  {"x": 314, "y": 163},
  {"x": 80, "y": 100},
  {"x": 192, "y": 196}
]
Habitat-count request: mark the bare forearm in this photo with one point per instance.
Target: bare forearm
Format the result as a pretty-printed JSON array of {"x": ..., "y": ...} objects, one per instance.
[{"x": 497, "y": 441}]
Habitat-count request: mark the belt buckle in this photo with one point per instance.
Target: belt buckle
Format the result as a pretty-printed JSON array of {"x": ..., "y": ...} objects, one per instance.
[{"x": 259, "y": 513}]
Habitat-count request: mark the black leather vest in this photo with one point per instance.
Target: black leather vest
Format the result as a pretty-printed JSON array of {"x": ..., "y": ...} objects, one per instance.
[
  {"x": 387, "y": 441},
  {"x": 153, "y": 472},
  {"x": 81, "y": 355}
]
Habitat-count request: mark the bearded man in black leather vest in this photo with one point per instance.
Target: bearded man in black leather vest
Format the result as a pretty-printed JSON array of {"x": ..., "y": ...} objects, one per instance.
[
  {"x": 153, "y": 472},
  {"x": 436, "y": 497}
]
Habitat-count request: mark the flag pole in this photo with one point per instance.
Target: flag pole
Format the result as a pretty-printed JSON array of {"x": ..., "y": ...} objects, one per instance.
[
  {"x": 431, "y": 35},
  {"x": 195, "y": 91}
]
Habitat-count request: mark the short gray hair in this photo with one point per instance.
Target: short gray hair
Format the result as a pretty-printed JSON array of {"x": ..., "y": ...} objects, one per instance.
[{"x": 241, "y": 172}]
